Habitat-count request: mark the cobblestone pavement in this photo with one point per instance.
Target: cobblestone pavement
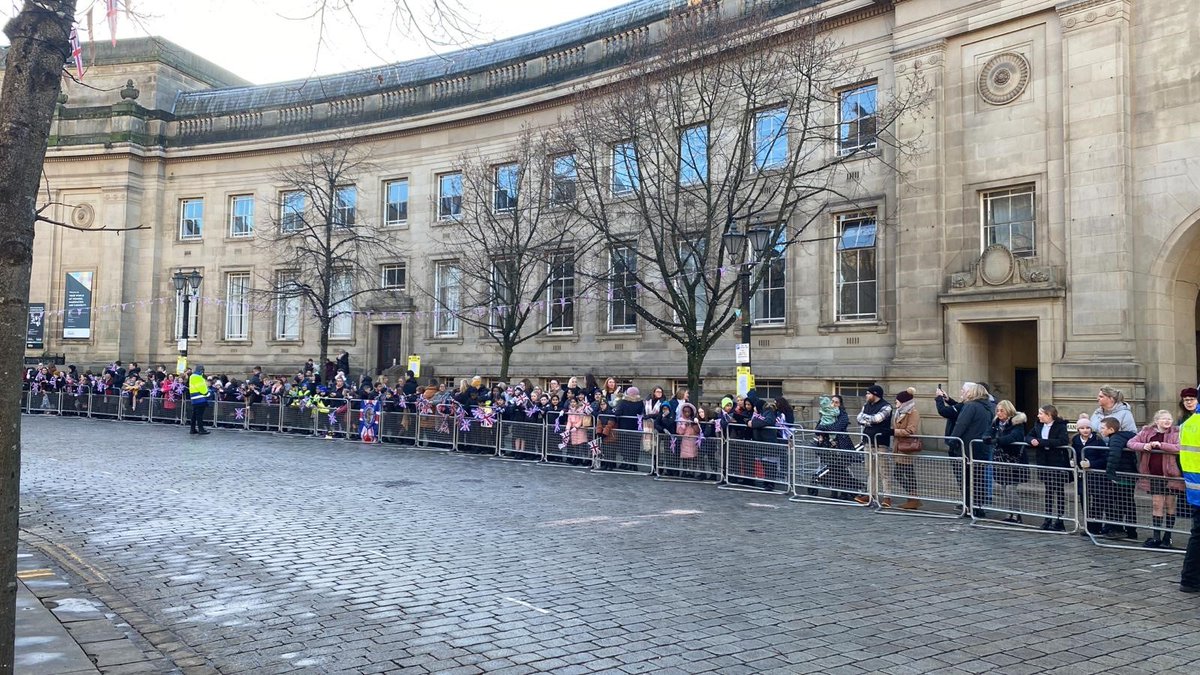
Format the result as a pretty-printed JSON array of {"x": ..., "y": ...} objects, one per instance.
[{"x": 244, "y": 552}]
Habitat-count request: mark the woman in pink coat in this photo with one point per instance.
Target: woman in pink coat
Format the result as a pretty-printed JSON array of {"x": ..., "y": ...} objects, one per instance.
[
  {"x": 1157, "y": 447},
  {"x": 688, "y": 431}
]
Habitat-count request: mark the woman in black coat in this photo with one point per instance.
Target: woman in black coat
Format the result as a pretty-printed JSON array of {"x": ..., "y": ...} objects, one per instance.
[
  {"x": 1007, "y": 440},
  {"x": 973, "y": 423},
  {"x": 1051, "y": 444}
]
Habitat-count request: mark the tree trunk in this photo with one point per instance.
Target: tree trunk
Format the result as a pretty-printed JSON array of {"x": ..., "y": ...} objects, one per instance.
[
  {"x": 695, "y": 362},
  {"x": 325, "y": 323},
  {"x": 506, "y": 351},
  {"x": 32, "y": 80}
]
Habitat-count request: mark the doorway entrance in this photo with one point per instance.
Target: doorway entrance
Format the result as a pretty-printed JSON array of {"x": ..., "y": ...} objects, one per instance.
[
  {"x": 1004, "y": 354},
  {"x": 390, "y": 349}
]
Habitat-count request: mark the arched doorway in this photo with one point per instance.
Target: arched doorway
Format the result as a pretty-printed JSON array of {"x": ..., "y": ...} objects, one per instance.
[{"x": 1169, "y": 318}]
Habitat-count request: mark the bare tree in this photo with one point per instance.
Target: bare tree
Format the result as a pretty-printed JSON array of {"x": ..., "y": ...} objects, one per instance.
[
  {"x": 322, "y": 252},
  {"x": 517, "y": 247},
  {"x": 32, "y": 80},
  {"x": 721, "y": 121}
]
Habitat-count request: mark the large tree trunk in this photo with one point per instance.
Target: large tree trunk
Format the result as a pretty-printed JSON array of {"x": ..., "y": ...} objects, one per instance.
[
  {"x": 32, "y": 80},
  {"x": 695, "y": 362},
  {"x": 506, "y": 351}
]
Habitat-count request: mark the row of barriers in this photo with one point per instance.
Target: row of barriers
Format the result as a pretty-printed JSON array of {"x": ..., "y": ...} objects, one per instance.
[{"x": 803, "y": 464}]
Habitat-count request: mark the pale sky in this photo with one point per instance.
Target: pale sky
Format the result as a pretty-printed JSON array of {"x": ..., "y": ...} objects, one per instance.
[{"x": 268, "y": 41}]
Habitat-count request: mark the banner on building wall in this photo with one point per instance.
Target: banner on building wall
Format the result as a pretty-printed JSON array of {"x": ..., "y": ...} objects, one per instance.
[
  {"x": 35, "y": 332},
  {"x": 77, "y": 299}
]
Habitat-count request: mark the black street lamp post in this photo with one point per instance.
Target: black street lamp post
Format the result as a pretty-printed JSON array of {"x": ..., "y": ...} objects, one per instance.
[
  {"x": 187, "y": 285},
  {"x": 735, "y": 243}
]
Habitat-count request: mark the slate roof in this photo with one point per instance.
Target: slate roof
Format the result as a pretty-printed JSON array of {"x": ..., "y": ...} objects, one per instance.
[{"x": 517, "y": 49}]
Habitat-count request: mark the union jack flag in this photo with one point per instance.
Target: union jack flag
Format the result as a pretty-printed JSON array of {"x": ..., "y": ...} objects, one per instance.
[
  {"x": 77, "y": 52},
  {"x": 111, "y": 11}
]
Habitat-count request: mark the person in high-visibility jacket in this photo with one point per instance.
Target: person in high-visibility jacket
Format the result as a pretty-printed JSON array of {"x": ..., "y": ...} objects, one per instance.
[
  {"x": 198, "y": 392},
  {"x": 1189, "y": 461}
]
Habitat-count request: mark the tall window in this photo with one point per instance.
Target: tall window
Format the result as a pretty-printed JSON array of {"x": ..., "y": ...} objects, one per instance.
[
  {"x": 852, "y": 391},
  {"x": 770, "y": 138},
  {"x": 505, "y": 186},
  {"x": 622, "y": 289},
  {"x": 624, "y": 168},
  {"x": 447, "y": 286},
  {"x": 769, "y": 304},
  {"x": 395, "y": 208},
  {"x": 395, "y": 276},
  {"x": 768, "y": 390},
  {"x": 241, "y": 215},
  {"x": 193, "y": 318},
  {"x": 503, "y": 299},
  {"x": 692, "y": 256},
  {"x": 693, "y": 155},
  {"x": 560, "y": 296},
  {"x": 856, "y": 118},
  {"x": 341, "y": 306},
  {"x": 856, "y": 276},
  {"x": 237, "y": 306},
  {"x": 450, "y": 192},
  {"x": 564, "y": 175},
  {"x": 287, "y": 308},
  {"x": 345, "y": 207},
  {"x": 1008, "y": 220},
  {"x": 291, "y": 211},
  {"x": 191, "y": 218}
]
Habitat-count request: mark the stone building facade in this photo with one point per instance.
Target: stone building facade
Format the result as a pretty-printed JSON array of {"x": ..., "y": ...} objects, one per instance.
[{"x": 1044, "y": 241}]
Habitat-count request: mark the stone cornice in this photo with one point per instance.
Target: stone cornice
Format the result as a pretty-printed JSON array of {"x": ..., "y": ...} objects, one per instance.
[
  {"x": 935, "y": 47},
  {"x": 1076, "y": 14}
]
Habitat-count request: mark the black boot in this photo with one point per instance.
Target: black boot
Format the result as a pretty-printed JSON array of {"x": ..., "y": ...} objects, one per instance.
[
  {"x": 1131, "y": 533},
  {"x": 1046, "y": 524},
  {"x": 1165, "y": 542}
]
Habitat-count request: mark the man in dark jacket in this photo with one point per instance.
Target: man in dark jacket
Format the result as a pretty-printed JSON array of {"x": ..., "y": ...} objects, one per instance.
[
  {"x": 876, "y": 417},
  {"x": 947, "y": 408},
  {"x": 973, "y": 423}
]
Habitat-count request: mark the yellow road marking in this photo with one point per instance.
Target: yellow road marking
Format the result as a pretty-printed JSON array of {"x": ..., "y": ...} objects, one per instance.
[{"x": 34, "y": 574}]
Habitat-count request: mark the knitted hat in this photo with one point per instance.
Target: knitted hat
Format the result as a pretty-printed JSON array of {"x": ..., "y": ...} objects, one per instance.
[
  {"x": 875, "y": 389},
  {"x": 1084, "y": 421},
  {"x": 726, "y": 401},
  {"x": 1189, "y": 392},
  {"x": 632, "y": 394},
  {"x": 904, "y": 396}
]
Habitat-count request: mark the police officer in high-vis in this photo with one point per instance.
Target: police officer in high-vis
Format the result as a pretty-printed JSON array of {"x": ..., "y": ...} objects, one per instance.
[
  {"x": 198, "y": 390},
  {"x": 1189, "y": 460}
]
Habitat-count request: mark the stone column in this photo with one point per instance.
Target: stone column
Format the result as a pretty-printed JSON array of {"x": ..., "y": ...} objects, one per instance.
[
  {"x": 1098, "y": 166},
  {"x": 920, "y": 212}
]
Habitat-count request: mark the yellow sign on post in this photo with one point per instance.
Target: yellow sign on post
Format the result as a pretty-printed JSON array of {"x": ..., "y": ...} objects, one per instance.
[
  {"x": 414, "y": 364},
  {"x": 181, "y": 365},
  {"x": 745, "y": 380}
]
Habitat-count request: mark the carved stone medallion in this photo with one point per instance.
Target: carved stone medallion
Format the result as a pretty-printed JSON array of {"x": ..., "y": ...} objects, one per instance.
[
  {"x": 83, "y": 215},
  {"x": 1003, "y": 78},
  {"x": 996, "y": 265}
]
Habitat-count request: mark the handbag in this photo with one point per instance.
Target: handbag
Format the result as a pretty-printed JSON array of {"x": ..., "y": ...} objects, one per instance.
[{"x": 907, "y": 445}]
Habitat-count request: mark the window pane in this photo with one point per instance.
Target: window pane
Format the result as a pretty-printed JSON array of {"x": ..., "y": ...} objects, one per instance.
[
  {"x": 241, "y": 216},
  {"x": 450, "y": 196},
  {"x": 622, "y": 290},
  {"x": 287, "y": 309},
  {"x": 770, "y": 138},
  {"x": 291, "y": 216},
  {"x": 693, "y": 155},
  {"x": 237, "y": 306},
  {"x": 506, "y": 187},
  {"x": 565, "y": 175},
  {"x": 561, "y": 294},
  {"x": 191, "y": 219},
  {"x": 1008, "y": 220},
  {"x": 856, "y": 118},
  {"x": 624, "y": 168},
  {"x": 397, "y": 202},
  {"x": 446, "y": 281},
  {"x": 855, "y": 274},
  {"x": 345, "y": 207},
  {"x": 341, "y": 306}
]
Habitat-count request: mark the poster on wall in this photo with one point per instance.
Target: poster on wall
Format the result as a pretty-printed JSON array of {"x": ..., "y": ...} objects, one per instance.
[
  {"x": 35, "y": 332},
  {"x": 77, "y": 322}
]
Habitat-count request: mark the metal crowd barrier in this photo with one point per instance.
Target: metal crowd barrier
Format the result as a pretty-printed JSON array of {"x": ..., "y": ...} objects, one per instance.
[
  {"x": 753, "y": 464},
  {"x": 477, "y": 436},
  {"x": 296, "y": 417},
  {"x": 687, "y": 458},
  {"x": 522, "y": 441},
  {"x": 911, "y": 482},
  {"x": 1122, "y": 505},
  {"x": 207, "y": 415},
  {"x": 398, "y": 427},
  {"x": 263, "y": 417},
  {"x": 163, "y": 410},
  {"x": 572, "y": 442},
  {"x": 835, "y": 463},
  {"x": 1026, "y": 495},
  {"x": 105, "y": 406},
  {"x": 435, "y": 431},
  {"x": 134, "y": 409}
]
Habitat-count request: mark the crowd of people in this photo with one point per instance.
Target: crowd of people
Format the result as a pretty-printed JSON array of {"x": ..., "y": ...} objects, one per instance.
[{"x": 1004, "y": 446}]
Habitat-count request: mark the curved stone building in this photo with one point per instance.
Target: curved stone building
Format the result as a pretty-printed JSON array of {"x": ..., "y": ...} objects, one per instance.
[{"x": 1065, "y": 133}]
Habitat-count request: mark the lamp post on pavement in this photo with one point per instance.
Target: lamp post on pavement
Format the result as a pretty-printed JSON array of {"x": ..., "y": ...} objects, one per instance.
[
  {"x": 187, "y": 285},
  {"x": 735, "y": 243}
]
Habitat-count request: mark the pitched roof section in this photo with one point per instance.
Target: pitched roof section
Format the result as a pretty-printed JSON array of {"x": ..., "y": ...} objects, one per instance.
[{"x": 396, "y": 76}]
